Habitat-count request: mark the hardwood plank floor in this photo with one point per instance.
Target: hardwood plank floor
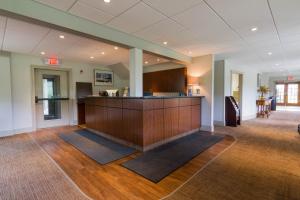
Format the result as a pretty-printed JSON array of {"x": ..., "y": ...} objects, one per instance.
[{"x": 112, "y": 181}]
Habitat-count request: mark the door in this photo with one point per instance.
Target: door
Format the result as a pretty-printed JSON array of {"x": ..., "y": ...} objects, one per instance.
[
  {"x": 287, "y": 94},
  {"x": 52, "y": 104}
]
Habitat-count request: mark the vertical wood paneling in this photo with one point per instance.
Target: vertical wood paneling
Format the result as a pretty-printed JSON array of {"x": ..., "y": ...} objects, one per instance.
[
  {"x": 171, "y": 122},
  {"x": 196, "y": 117},
  {"x": 185, "y": 121},
  {"x": 101, "y": 119},
  {"x": 90, "y": 116},
  {"x": 144, "y": 121},
  {"x": 174, "y": 80},
  {"x": 114, "y": 122},
  {"x": 132, "y": 130},
  {"x": 153, "y": 126}
]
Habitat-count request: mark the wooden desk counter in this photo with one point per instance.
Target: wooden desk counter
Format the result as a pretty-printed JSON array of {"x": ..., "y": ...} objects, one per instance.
[{"x": 144, "y": 122}]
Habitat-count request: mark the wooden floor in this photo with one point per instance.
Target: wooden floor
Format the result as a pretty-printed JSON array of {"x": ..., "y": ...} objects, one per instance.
[{"x": 112, "y": 181}]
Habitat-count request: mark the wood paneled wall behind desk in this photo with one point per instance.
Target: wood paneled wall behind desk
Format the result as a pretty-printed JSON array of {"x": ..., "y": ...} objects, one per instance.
[{"x": 173, "y": 80}]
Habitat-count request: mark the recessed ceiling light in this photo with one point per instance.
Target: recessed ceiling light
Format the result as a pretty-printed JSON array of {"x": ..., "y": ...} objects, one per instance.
[
  {"x": 116, "y": 48},
  {"x": 43, "y": 53},
  {"x": 62, "y": 37},
  {"x": 102, "y": 52},
  {"x": 165, "y": 43},
  {"x": 107, "y": 1},
  {"x": 270, "y": 53},
  {"x": 254, "y": 29},
  {"x": 146, "y": 62},
  {"x": 92, "y": 57},
  {"x": 158, "y": 59}
]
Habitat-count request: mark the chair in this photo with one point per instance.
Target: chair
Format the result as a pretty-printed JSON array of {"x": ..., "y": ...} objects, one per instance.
[{"x": 232, "y": 112}]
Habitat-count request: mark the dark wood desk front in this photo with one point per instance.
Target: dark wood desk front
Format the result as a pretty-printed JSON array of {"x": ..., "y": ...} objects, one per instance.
[{"x": 143, "y": 122}]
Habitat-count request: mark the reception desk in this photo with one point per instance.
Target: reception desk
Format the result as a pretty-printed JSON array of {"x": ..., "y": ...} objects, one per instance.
[{"x": 144, "y": 122}]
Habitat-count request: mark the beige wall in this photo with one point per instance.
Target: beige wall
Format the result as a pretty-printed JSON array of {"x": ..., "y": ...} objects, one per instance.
[
  {"x": 22, "y": 92},
  {"x": 223, "y": 85},
  {"x": 5, "y": 96},
  {"x": 203, "y": 68}
]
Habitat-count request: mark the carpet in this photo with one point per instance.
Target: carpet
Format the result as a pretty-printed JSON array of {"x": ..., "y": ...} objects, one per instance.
[
  {"x": 264, "y": 163},
  {"x": 161, "y": 161},
  {"x": 96, "y": 147},
  {"x": 26, "y": 172}
]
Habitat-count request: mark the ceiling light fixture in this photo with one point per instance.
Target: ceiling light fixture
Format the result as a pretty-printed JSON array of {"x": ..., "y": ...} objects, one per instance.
[
  {"x": 190, "y": 52},
  {"x": 146, "y": 62},
  {"x": 43, "y": 53},
  {"x": 270, "y": 53},
  {"x": 102, "y": 52},
  {"x": 62, "y": 37},
  {"x": 254, "y": 29},
  {"x": 107, "y": 1},
  {"x": 92, "y": 57},
  {"x": 116, "y": 48},
  {"x": 165, "y": 43}
]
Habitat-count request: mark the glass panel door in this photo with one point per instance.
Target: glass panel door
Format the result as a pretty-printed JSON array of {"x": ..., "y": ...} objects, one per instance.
[
  {"x": 292, "y": 93},
  {"x": 280, "y": 93},
  {"x": 50, "y": 86},
  {"x": 51, "y": 89}
]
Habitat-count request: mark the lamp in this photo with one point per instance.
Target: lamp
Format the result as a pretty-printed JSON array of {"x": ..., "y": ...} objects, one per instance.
[{"x": 193, "y": 86}]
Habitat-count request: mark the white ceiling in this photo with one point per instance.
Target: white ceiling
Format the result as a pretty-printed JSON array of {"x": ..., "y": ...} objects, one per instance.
[
  {"x": 194, "y": 27},
  {"x": 23, "y": 37}
]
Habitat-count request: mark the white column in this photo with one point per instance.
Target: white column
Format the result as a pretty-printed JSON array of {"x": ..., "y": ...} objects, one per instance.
[{"x": 136, "y": 72}]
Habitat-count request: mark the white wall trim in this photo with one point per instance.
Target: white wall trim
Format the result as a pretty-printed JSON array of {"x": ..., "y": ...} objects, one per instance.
[
  {"x": 207, "y": 128},
  {"x": 219, "y": 123},
  {"x": 248, "y": 117},
  {"x": 15, "y": 131}
]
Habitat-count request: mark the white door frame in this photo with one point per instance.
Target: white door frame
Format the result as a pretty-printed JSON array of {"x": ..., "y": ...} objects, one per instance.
[
  {"x": 241, "y": 85},
  {"x": 69, "y": 72}
]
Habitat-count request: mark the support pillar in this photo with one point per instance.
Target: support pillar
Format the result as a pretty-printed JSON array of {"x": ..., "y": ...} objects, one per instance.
[{"x": 136, "y": 72}]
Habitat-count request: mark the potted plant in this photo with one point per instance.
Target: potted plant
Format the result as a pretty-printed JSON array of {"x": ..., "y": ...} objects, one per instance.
[{"x": 263, "y": 90}]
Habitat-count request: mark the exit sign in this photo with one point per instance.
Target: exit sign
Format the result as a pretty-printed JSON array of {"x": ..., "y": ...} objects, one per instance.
[
  {"x": 290, "y": 78},
  {"x": 52, "y": 61}
]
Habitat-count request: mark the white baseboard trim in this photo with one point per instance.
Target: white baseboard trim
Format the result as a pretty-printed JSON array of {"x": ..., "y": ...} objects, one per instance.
[
  {"x": 6, "y": 133},
  {"x": 74, "y": 123},
  {"x": 207, "y": 128},
  {"x": 248, "y": 117},
  {"x": 219, "y": 123},
  {"x": 15, "y": 131}
]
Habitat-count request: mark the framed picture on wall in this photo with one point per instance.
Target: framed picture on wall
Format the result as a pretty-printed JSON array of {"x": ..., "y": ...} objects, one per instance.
[{"x": 103, "y": 77}]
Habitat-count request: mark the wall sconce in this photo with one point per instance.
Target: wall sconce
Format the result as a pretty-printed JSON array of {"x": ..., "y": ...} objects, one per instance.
[{"x": 193, "y": 86}]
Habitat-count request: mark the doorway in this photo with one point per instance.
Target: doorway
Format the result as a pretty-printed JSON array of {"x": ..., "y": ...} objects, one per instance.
[
  {"x": 236, "y": 87},
  {"x": 287, "y": 94},
  {"x": 51, "y": 98}
]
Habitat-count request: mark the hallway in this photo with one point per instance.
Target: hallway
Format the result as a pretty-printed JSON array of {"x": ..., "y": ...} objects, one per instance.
[{"x": 264, "y": 163}]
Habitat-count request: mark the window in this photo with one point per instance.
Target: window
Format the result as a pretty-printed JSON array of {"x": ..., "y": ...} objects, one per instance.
[
  {"x": 52, "y": 108},
  {"x": 280, "y": 93},
  {"x": 293, "y": 93}
]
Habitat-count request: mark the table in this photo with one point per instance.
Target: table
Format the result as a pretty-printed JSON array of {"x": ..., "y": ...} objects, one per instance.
[{"x": 263, "y": 107}]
